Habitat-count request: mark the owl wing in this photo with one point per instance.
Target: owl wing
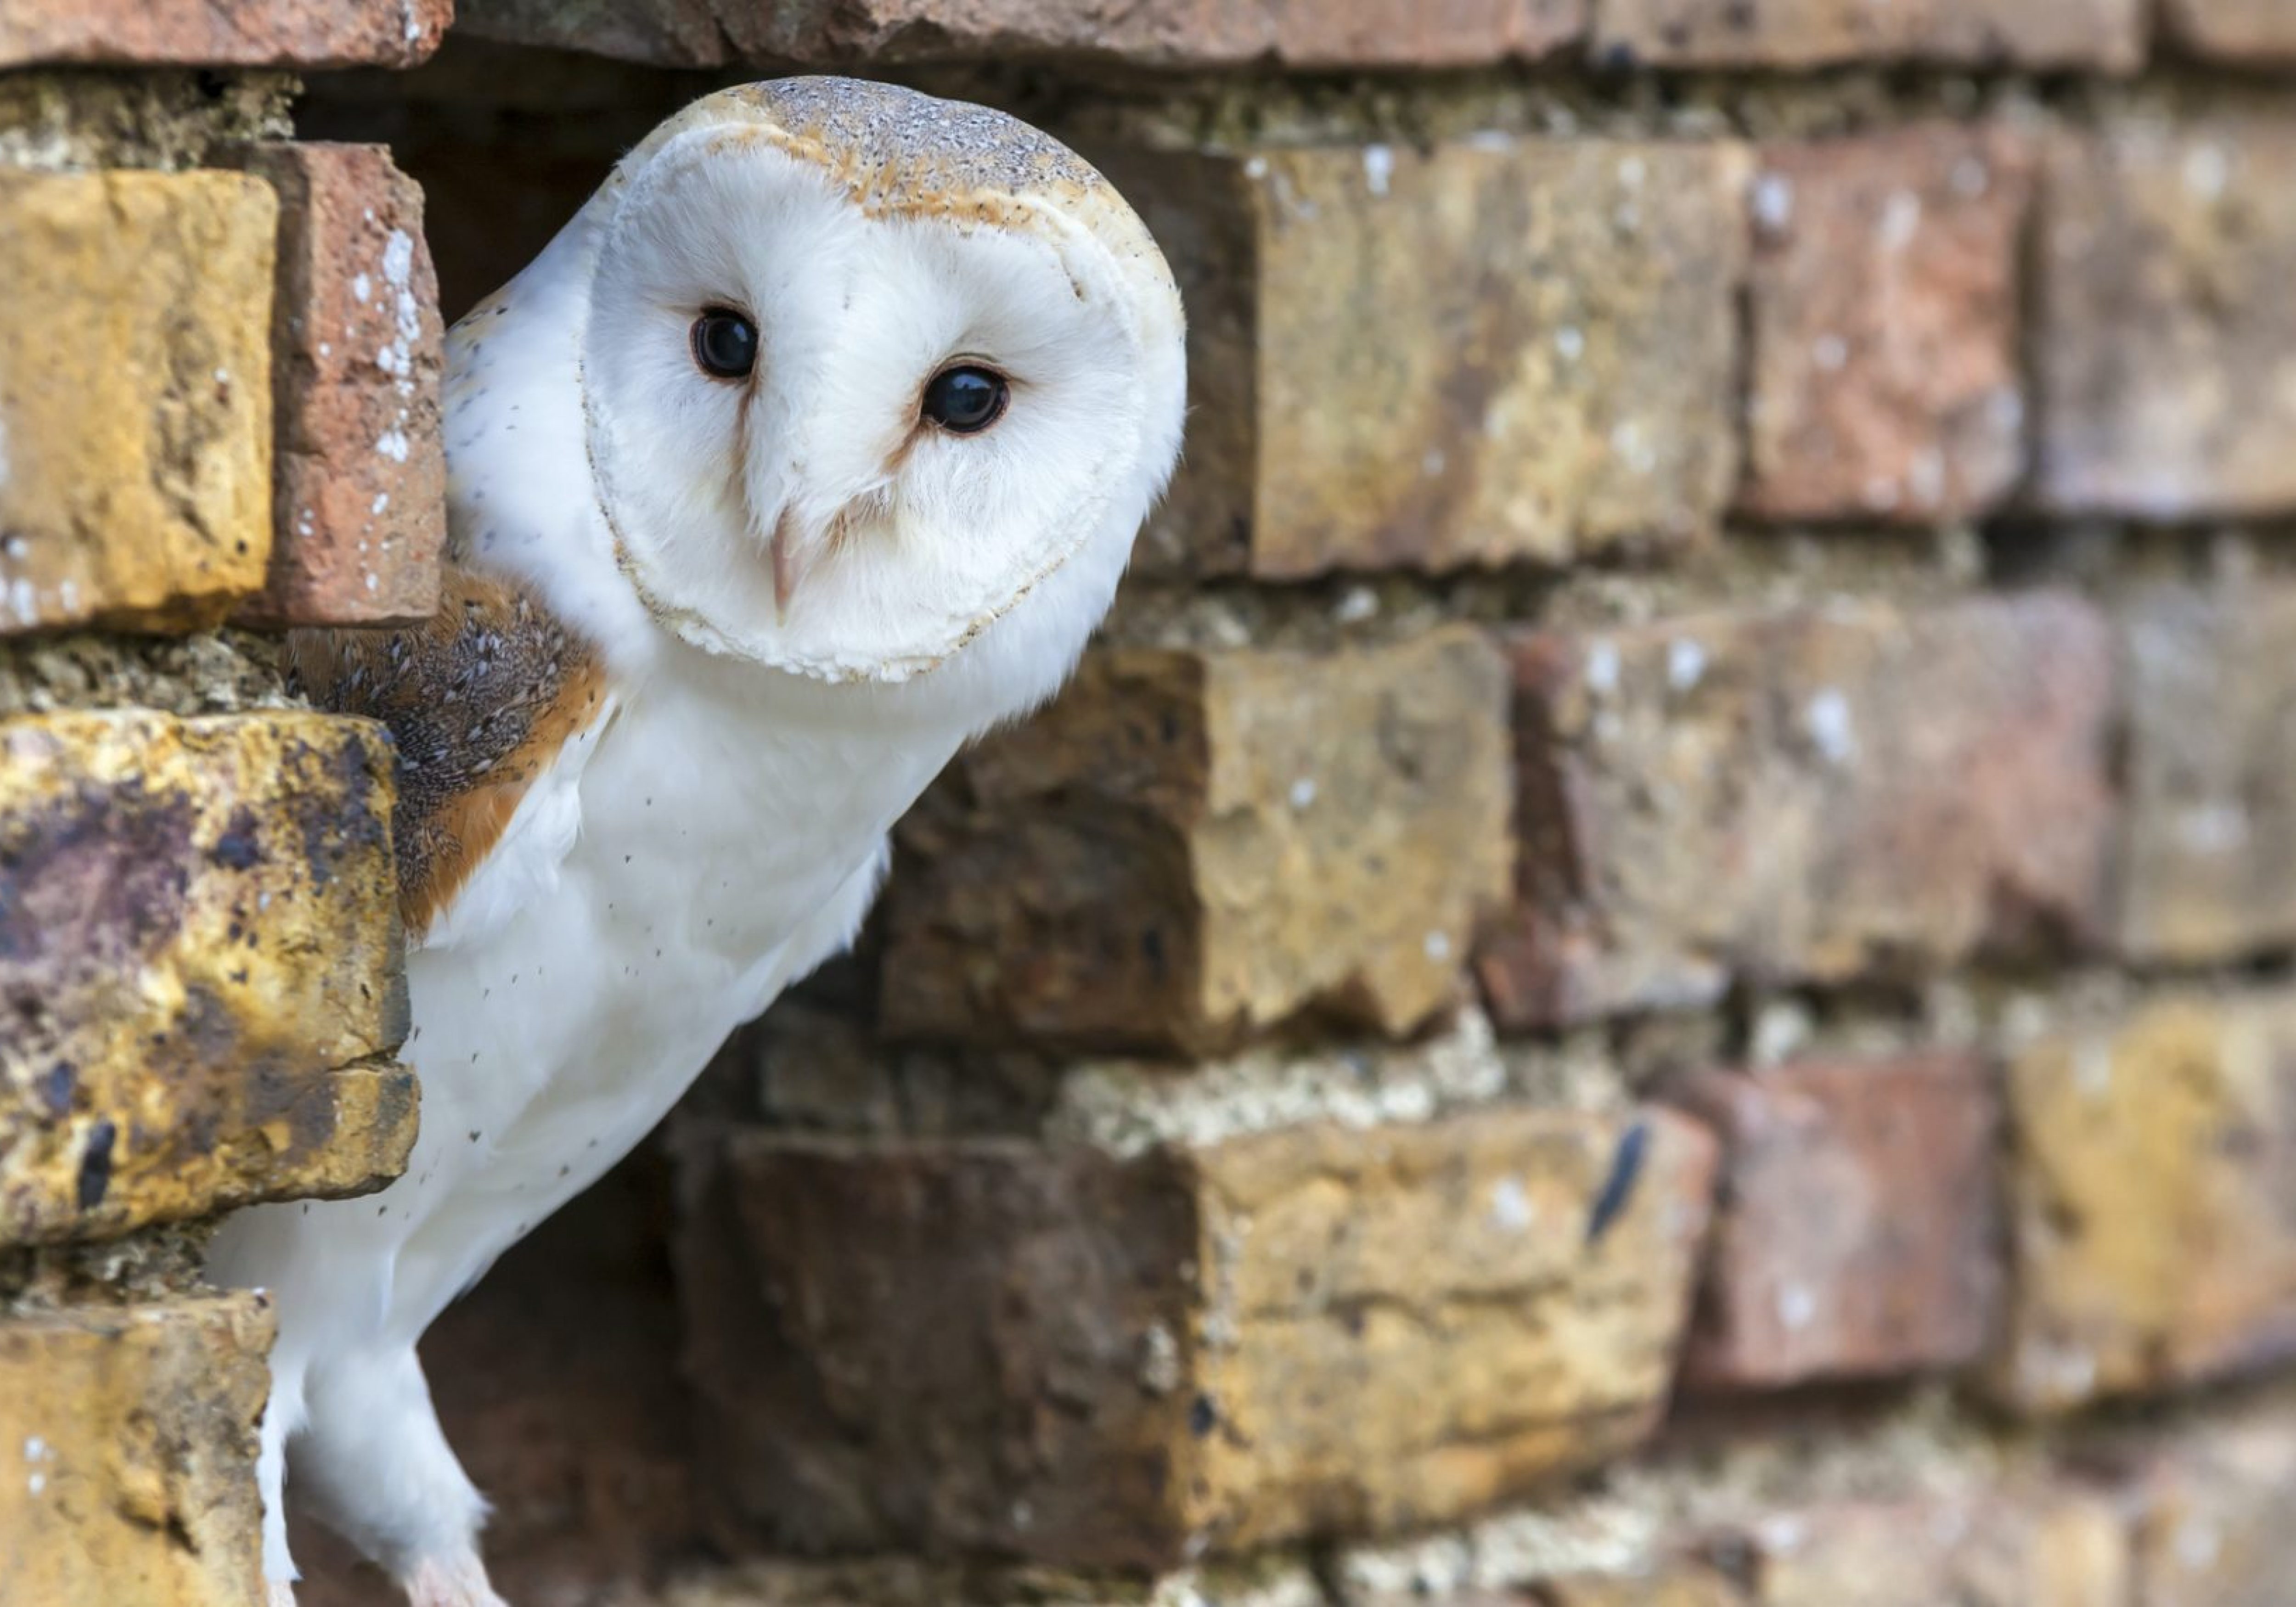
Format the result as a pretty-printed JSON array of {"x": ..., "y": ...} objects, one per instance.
[{"x": 494, "y": 706}]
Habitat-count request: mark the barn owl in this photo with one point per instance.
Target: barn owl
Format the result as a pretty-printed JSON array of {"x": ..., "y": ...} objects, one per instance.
[{"x": 811, "y": 448}]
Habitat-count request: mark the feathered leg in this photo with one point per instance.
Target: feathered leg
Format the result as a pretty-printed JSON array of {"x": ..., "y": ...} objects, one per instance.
[{"x": 376, "y": 1467}]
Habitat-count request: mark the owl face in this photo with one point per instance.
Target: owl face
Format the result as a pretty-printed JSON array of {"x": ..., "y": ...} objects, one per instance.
[{"x": 862, "y": 371}]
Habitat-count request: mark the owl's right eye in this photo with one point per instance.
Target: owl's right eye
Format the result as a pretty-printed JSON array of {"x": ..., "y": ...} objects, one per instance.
[{"x": 725, "y": 343}]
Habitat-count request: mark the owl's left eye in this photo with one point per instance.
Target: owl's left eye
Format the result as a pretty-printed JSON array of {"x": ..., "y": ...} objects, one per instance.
[{"x": 725, "y": 343}]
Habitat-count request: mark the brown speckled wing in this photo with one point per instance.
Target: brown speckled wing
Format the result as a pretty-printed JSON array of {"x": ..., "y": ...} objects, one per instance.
[{"x": 480, "y": 699}]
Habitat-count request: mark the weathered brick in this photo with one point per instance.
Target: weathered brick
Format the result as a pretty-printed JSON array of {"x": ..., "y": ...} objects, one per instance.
[
  {"x": 2212, "y": 1525},
  {"x": 2152, "y": 1189},
  {"x": 1053, "y": 1351},
  {"x": 2233, "y": 30},
  {"x": 2207, "y": 861},
  {"x": 1883, "y": 311},
  {"x": 1857, "y": 1226},
  {"x": 1187, "y": 847},
  {"x": 2007, "y": 1547},
  {"x": 1350, "y": 33},
  {"x": 1272, "y": 1581},
  {"x": 223, "y": 33},
  {"x": 129, "y": 1438},
  {"x": 1818, "y": 795},
  {"x": 198, "y": 925},
  {"x": 2105, "y": 35},
  {"x": 1509, "y": 350},
  {"x": 2166, "y": 342},
  {"x": 1684, "y": 1586},
  {"x": 135, "y": 396},
  {"x": 359, "y": 473}
]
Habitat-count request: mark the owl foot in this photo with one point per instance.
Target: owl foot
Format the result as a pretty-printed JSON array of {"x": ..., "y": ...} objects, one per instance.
[
  {"x": 455, "y": 1582},
  {"x": 279, "y": 1593}
]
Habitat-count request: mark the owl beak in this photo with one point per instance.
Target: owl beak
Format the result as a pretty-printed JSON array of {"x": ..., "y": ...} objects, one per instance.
[{"x": 783, "y": 549}]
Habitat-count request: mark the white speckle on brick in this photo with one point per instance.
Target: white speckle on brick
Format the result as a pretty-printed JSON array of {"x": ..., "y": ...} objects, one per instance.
[
  {"x": 381, "y": 501},
  {"x": 2093, "y": 1069},
  {"x": 373, "y": 584},
  {"x": 1303, "y": 793},
  {"x": 393, "y": 445},
  {"x": 23, "y": 601},
  {"x": 1601, "y": 666},
  {"x": 2213, "y": 828},
  {"x": 1796, "y": 1308},
  {"x": 1827, "y": 718},
  {"x": 1901, "y": 220},
  {"x": 1632, "y": 170},
  {"x": 222, "y": 376},
  {"x": 1379, "y": 167},
  {"x": 2196, "y": 1545},
  {"x": 67, "y": 595},
  {"x": 1255, "y": 168},
  {"x": 2207, "y": 170},
  {"x": 1773, "y": 202},
  {"x": 1570, "y": 341},
  {"x": 1632, "y": 443},
  {"x": 362, "y": 289},
  {"x": 1686, "y": 664},
  {"x": 1510, "y": 1208},
  {"x": 1356, "y": 606},
  {"x": 1926, "y": 477},
  {"x": 37, "y": 1483},
  {"x": 35, "y": 1447},
  {"x": 1830, "y": 353},
  {"x": 1437, "y": 947},
  {"x": 16, "y": 549},
  {"x": 326, "y": 349}
]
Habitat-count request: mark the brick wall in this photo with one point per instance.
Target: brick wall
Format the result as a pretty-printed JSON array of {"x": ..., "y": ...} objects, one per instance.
[
  {"x": 219, "y": 366},
  {"x": 1651, "y": 964}
]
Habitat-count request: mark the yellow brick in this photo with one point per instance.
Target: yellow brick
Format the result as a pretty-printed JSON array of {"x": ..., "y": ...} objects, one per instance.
[
  {"x": 127, "y": 1455},
  {"x": 2153, "y": 1243},
  {"x": 134, "y": 397},
  {"x": 198, "y": 925}
]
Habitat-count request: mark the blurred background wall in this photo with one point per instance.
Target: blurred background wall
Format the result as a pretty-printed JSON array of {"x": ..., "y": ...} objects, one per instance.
[{"x": 1651, "y": 964}]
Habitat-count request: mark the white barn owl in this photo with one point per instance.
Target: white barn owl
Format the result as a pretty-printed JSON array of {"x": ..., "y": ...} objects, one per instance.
[{"x": 812, "y": 448}]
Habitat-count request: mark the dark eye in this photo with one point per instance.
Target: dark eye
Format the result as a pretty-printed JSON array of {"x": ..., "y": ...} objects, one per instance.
[
  {"x": 725, "y": 344},
  {"x": 966, "y": 401}
]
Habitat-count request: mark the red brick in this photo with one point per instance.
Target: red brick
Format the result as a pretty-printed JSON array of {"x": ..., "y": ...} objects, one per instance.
[
  {"x": 2165, "y": 339},
  {"x": 1051, "y": 1350},
  {"x": 358, "y": 495},
  {"x": 1189, "y": 847},
  {"x": 1333, "y": 32},
  {"x": 1884, "y": 379},
  {"x": 2100, "y": 34},
  {"x": 223, "y": 33},
  {"x": 1805, "y": 795},
  {"x": 2208, "y": 858},
  {"x": 1858, "y": 1229},
  {"x": 2234, "y": 30}
]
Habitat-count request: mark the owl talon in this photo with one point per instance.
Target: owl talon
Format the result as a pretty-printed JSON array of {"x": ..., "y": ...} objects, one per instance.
[{"x": 461, "y": 1582}]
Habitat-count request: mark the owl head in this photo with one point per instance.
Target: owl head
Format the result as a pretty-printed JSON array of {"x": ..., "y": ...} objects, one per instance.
[{"x": 858, "y": 375}]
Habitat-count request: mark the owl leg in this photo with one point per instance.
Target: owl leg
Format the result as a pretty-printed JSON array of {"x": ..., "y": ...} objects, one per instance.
[
  {"x": 378, "y": 1472},
  {"x": 279, "y": 1415}
]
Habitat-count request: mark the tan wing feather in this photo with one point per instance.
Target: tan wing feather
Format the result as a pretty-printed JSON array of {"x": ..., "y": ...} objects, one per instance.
[{"x": 479, "y": 699}]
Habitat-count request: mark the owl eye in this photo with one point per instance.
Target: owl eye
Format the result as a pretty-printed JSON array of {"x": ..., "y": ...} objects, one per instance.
[
  {"x": 965, "y": 399},
  {"x": 725, "y": 343}
]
